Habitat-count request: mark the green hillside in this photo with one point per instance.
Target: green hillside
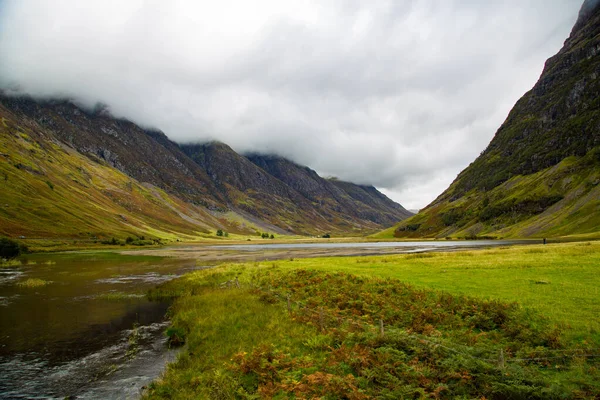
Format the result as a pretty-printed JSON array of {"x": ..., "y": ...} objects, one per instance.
[
  {"x": 539, "y": 175},
  {"x": 49, "y": 190}
]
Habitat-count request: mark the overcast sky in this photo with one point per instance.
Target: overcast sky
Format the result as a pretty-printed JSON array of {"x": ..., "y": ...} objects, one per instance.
[{"x": 398, "y": 94}]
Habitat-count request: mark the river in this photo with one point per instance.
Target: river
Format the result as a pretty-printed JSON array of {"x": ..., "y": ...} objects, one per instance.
[{"x": 87, "y": 329}]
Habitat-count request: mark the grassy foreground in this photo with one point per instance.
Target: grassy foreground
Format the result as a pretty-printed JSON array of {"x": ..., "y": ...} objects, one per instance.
[{"x": 507, "y": 323}]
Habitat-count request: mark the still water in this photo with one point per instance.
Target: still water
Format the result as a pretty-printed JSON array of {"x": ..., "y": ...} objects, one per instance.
[
  {"x": 73, "y": 336},
  {"x": 401, "y": 246}
]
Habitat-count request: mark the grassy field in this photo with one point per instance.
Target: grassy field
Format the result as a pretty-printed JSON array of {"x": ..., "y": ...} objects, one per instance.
[
  {"x": 503, "y": 323},
  {"x": 561, "y": 281}
]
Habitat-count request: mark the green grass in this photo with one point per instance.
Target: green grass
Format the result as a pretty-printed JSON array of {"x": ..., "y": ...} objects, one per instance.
[
  {"x": 534, "y": 307},
  {"x": 118, "y": 296},
  {"x": 33, "y": 283},
  {"x": 10, "y": 263},
  {"x": 570, "y": 294},
  {"x": 217, "y": 325}
]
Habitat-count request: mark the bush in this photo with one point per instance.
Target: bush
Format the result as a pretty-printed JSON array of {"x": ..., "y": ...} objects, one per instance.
[
  {"x": 112, "y": 241},
  {"x": 176, "y": 336},
  {"x": 412, "y": 227},
  {"x": 220, "y": 232},
  {"x": 326, "y": 236},
  {"x": 10, "y": 248},
  {"x": 141, "y": 242}
]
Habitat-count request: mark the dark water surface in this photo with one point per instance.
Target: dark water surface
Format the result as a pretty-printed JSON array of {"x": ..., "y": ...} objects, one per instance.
[
  {"x": 80, "y": 332},
  {"x": 73, "y": 336}
]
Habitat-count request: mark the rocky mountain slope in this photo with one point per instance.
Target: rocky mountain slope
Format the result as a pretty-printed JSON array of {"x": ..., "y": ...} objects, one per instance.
[
  {"x": 71, "y": 172},
  {"x": 288, "y": 195},
  {"x": 539, "y": 175},
  {"x": 332, "y": 195}
]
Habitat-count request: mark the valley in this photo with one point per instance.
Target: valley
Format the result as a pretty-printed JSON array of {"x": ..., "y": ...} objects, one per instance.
[{"x": 208, "y": 261}]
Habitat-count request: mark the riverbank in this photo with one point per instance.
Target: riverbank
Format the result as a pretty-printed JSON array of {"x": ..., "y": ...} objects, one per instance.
[
  {"x": 57, "y": 245},
  {"x": 243, "y": 251},
  {"x": 517, "y": 321}
]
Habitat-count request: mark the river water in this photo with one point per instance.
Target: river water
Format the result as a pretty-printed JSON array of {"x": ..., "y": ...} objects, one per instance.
[{"x": 90, "y": 331}]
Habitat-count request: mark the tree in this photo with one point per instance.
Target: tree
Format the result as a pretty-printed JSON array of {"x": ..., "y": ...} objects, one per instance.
[
  {"x": 10, "y": 248},
  {"x": 326, "y": 236},
  {"x": 220, "y": 232},
  {"x": 272, "y": 236}
]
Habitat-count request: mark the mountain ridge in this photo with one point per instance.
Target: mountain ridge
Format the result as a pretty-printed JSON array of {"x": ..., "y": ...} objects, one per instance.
[
  {"x": 156, "y": 178},
  {"x": 539, "y": 175}
]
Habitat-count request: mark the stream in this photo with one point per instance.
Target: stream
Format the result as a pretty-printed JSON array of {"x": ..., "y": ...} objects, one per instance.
[
  {"x": 84, "y": 328},
  {"x": 90, "y": 332}
]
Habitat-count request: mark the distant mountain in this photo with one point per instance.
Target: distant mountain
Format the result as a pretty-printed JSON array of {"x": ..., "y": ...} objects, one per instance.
[
  {"x": 69, "y": 172},
  {"x": 288, "y": 195},
  {"x": 356, "y": 202},
  {"x": 540, "y": 174}
]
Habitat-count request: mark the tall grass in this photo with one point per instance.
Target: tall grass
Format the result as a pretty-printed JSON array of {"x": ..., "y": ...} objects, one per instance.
[
  {"x": 560, "y": 281},
  {"x": 33, "y": 283},
  {"x": 303, "y": 329}
]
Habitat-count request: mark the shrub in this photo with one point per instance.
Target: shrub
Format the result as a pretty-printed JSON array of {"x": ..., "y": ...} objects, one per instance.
[
  {"x": 112, "y": 241},
  {"x": 412, "y": 227},
  {"x": 219, "y": 232},
  {"x": 326, "y": 236},
  {"x": 10, "y": 248},
  {"x": 176, "y": 336}
]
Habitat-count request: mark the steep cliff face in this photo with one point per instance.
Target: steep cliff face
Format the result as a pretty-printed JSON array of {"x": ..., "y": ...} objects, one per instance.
[
  {"x": 539, "y": 174},
  {"x": 72, "y": 172}
]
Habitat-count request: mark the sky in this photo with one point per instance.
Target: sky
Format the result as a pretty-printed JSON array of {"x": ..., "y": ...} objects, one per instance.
[{"x": 401, "y": 94}]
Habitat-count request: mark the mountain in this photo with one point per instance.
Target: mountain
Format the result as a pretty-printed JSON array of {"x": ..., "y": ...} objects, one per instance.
[
  {"x": 333, "y": 196},
  {"x": 539, "y": 175},
  {"x": 288, "y": 195},
  {"x": 69, "y": 172}
]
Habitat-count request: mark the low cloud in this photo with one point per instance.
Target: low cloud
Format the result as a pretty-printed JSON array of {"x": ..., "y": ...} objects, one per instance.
[{"x": 401, "y": 94}]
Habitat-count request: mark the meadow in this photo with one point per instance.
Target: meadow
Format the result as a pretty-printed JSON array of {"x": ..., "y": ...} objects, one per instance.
[{"x": 518, "y": 322}]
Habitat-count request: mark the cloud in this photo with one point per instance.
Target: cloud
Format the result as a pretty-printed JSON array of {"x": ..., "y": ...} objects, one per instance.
[{"x": 399, "y": 94}]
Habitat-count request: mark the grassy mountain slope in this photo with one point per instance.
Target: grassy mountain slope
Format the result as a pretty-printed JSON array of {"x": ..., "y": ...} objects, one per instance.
[
  {"x": 145, "y": 155},
  {"x": 72, "y": 173},
  {"x": 539, "y": 175},
  {"x": 50, "y": 190}
]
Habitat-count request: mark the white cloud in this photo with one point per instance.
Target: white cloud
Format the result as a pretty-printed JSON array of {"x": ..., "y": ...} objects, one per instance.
[{"x": 399, "y": 94}]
